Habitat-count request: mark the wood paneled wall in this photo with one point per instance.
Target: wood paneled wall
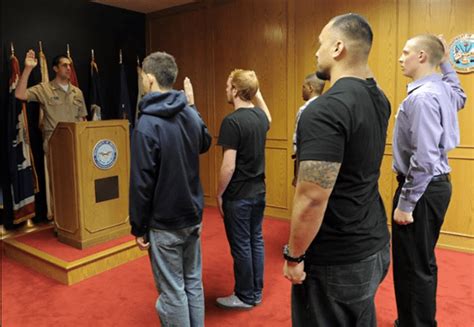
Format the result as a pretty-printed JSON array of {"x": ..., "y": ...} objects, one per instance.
[{"x": 278, "y": 39}]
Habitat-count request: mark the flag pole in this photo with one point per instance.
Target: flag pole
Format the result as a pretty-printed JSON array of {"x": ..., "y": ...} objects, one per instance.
[
  {"x": 92, "y": 54},
  {"x": 67, "y": 50},
  {"x": 40, "y": 46},
  {"x": 120, "y": 56},
  {"x": 12, "y": 49}
]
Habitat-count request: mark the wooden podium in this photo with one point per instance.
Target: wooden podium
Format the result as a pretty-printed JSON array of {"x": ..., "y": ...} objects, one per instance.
[{"x": 89, "y": 170}]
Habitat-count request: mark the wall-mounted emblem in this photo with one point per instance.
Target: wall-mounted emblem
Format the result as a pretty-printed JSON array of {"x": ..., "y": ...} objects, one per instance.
[
  {"x": 461, "y": 53},
  {"x": 104, "y": 154}
]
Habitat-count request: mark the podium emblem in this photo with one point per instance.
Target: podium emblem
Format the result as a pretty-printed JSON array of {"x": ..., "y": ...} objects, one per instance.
[{"x": 104, "y": 154}]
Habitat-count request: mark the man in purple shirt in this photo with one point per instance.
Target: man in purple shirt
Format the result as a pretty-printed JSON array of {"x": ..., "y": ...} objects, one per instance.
[{"x": 426, "y": 129}]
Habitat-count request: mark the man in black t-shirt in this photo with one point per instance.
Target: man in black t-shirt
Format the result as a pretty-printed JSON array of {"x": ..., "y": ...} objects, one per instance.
[
  {"x": 241, "y": 187},
  {"x": 338, "y": 251}
]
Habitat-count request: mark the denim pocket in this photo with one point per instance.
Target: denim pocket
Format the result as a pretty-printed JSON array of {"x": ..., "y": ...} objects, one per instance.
[
  {"x": 352, "y": 282},
  {"x": 164, "y": 238}
]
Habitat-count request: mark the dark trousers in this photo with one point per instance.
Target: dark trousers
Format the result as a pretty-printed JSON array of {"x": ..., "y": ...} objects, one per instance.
[
  {"x": 243, "y": 225},
  {"x": 415, "y": 272},
  {"x": 340, "y": 295}
]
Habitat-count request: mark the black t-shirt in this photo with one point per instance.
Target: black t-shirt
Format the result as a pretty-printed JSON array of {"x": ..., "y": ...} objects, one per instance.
[
  {"x": 348, "y": 124},
  {"x": 245, "y": 130}
]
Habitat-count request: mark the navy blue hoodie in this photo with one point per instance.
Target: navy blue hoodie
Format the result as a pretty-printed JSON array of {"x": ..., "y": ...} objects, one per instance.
[{"x": 165, "y": 189}]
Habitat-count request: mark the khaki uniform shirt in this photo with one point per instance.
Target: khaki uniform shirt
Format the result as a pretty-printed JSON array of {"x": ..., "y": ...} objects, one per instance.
[{"x": 57, "y": 105}]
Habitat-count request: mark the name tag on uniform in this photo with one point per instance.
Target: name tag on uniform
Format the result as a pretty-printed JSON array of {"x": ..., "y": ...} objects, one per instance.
[{"x": 54, "y": 100}]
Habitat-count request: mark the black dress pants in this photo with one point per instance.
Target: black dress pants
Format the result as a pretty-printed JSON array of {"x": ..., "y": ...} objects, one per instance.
[{"x": 415, "y": 271}]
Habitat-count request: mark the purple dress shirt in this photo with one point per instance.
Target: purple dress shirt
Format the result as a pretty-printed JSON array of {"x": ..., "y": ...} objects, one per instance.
[{"x": 426, "y": 128}]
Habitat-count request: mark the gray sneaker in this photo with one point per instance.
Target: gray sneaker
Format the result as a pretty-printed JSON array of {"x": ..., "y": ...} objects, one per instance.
[{"x": 232, "y": 302}]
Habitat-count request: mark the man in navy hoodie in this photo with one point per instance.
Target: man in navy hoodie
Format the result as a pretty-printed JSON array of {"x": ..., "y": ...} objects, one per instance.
[{"x": 166, "y": 197}]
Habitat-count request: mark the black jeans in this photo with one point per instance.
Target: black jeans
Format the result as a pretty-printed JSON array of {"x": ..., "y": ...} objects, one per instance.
[
  {"x": 415, "y": 272},
  {"x": 340, "y": 295}
]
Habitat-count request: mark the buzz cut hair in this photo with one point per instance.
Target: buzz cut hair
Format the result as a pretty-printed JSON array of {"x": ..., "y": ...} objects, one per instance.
[
  {"x": 432, "y": 45},
  {"x": 356, "y": 28}
]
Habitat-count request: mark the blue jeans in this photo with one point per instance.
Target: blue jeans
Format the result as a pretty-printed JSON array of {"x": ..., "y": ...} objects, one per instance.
[
  {"x": 340, "y": 295},
  {"x": 243, "y": 225},
  {"x": 175, "y": 257}
]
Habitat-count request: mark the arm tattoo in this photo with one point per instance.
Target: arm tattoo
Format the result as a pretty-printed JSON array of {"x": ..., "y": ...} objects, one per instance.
[{"x": 323, "y": 173}]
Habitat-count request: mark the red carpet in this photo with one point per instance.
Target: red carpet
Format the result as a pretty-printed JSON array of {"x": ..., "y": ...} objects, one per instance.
[{"x": 125, "y": 296}]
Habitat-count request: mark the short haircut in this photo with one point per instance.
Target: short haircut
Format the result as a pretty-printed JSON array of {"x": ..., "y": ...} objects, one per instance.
[
  {"x": 163, "y": 66},
  {"x": 57, "y": 59},
  {"x": 245, "y": 82},
  {"x": 432, "y": 45},
  {"x": 316, "y": 83},
  {"x": 355, "y": 28}
]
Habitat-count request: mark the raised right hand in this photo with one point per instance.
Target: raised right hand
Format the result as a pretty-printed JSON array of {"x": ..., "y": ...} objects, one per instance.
[
  {"x": 188, "y": 91},
  {"x": 446, "y": 48},
  {"x": 30, "y": 60}
]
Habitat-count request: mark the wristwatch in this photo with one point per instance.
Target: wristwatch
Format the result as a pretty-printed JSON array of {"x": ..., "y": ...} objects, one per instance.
[{"x": 288, "y": 257}]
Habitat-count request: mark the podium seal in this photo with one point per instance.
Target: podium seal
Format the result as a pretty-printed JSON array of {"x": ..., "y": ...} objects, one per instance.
[{"x": 104, "y": 154}]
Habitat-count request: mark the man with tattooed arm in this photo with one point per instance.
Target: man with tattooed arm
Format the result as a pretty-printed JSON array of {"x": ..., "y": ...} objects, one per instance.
[{"x": 338, "y": 250}]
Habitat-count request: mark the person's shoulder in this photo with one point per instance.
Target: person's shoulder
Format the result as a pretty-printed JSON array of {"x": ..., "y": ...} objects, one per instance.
[
  {"x": 422, "y": 94},
  {"x": 75, "y": 89},
  {"x": 146, "y": 125},
  {"x": 42, "y": 85},
  {"x": 352, "y": 91},
  {"x": 234, "y": 115},
  {"x": 328, "y": 102},
  {"x": 259, "y": 112}
]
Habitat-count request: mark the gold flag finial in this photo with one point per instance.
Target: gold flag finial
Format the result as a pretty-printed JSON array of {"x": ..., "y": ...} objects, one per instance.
[
  {"x": 12, "y": 49},
  {"x": 138, "y": 61},
  {"x": 120, "y": 56},
  {"x": 92, "y": 54},
  {"x": 40, "y": 46},
  {"x": 67, "y": 50}
]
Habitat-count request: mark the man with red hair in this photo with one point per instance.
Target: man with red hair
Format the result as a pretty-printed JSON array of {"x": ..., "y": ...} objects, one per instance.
[{"x": 241, "y": 188}]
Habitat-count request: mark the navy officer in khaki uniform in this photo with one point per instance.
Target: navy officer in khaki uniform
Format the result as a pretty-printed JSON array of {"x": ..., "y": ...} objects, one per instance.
[{"x": 59, "y": 100}]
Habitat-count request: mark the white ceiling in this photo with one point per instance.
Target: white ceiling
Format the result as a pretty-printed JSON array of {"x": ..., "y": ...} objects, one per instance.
[{"x": 144, "y": 6}]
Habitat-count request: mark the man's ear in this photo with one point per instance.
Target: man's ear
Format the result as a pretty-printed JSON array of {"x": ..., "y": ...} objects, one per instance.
[
  {"x": 422, "y": 56},
  {"x": 152, "y": 79},
  {"x": 338, "y": 48},
  {"x": 55, "y": 68}
]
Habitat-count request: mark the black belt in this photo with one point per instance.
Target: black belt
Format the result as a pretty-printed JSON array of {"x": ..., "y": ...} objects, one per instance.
[{"x": 437, "y": 178}]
